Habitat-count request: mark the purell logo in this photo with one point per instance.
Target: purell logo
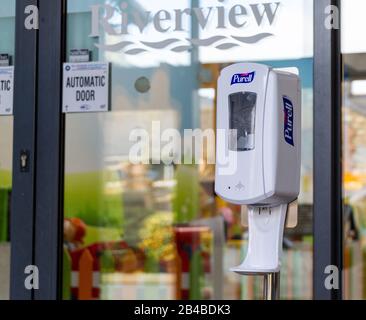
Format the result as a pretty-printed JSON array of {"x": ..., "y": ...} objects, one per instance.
[
  {"x": 243, "y": 78},
  {"x": 288, "y": 109},
  {"x": 130, "y": 28}
]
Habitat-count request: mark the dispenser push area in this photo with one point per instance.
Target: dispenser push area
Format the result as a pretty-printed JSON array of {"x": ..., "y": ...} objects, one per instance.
[{"x": 259, "y": 109}]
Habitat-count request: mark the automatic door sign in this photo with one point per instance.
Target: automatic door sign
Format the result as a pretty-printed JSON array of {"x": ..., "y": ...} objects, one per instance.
[
  {"x": 6, "y": 90},
  {"x": 86, "y": 87}
]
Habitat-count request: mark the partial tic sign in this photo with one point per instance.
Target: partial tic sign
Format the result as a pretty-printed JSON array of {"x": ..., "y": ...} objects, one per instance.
[
  {"x": 86, "y": 87},
  {"x": 6, "y": 90}
]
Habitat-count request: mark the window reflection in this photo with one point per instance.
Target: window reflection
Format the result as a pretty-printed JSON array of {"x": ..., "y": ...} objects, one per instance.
[
  {"x": 155, "y": 230},
  {"x": 354, "y": 178},
  {"x": 354, "y": 151}
]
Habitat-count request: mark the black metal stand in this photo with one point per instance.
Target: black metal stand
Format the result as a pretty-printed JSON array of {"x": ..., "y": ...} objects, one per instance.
[{"x": 271, "y": 287}]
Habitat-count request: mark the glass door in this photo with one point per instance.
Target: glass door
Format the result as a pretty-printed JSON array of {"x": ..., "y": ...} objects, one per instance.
[
  {"x": 7, "y": 48},
  {"x": 354, "y": 149},
  {"x": 141, "y": 220}
]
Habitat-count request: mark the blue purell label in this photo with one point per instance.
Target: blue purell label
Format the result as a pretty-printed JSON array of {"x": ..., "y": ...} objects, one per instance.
[
  {"x": 243, "y": 78},
  {"x": 288, "y": 109}
]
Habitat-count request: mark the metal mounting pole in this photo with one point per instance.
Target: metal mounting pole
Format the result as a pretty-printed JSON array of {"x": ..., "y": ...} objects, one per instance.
[{"x": 271, "y": 287}]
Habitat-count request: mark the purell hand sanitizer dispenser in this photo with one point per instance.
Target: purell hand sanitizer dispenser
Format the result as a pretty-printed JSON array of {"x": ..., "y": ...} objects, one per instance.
[{"x": 259, "y": 110}]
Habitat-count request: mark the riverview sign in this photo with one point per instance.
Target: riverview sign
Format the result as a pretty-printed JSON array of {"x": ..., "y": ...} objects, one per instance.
[{"x": 128, "y": 26}]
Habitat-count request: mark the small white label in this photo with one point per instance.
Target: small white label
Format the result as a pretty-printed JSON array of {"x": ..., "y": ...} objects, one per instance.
[
  {"x": 4, "y": 60},
  {"x": 85, "y": 87},
  {"x": 6, "y": 90},
  {"x": 79, "y": 55}
]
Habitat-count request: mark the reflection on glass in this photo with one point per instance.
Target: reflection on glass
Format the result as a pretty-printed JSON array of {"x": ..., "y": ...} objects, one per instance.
[
  {"x": 153, "y": 229},
  {"x": 354, "y": 167},
  {"x": 242, "y": 120},
  {"x": 7, "y": 45},
  {"x": 354, "y": 151}
]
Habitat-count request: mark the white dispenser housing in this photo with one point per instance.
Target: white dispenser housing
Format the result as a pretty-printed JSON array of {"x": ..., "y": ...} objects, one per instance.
[{"x": 259, "y": 132}]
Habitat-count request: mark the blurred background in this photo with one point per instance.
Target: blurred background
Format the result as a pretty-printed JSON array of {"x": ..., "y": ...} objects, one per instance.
[{"x": 157, "y": 231}]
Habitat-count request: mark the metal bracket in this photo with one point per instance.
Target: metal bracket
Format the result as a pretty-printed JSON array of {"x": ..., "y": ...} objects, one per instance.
[{"x": 291, "y": 216}]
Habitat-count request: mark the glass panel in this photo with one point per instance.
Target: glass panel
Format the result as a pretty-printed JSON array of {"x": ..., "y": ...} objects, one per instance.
[
  {"x": 7, "y": 45},
  {"x": 354, "y": 149},
  {"x": 141, "y": 217},
  {"x": 242, "y": 120}
]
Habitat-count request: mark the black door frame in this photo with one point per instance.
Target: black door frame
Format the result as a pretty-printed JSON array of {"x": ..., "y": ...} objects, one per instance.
[
  {"x": 37, "y": 201},
  {"x": 328, "y": 212},
  {"x": 23, "y": 191},
  {"x": 37, "y": 198},
  {"x": 50, "y": 151}
]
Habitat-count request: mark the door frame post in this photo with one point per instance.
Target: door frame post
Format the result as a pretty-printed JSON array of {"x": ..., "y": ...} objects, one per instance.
[
  {"x": 23, "y": 181},
  {"x": 328, "y": 220}
]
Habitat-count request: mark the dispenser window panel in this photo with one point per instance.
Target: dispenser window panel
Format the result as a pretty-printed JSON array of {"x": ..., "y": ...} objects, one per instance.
[{"x": 242, "y": 108}]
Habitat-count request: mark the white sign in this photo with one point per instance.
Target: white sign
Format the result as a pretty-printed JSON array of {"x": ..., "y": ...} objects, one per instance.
[
  {"x": 79, "y": 55},
  {"x": 6, "y": 90},
  {"x": 4, "y": 60},
  {"x": 86, "y": 87}
]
